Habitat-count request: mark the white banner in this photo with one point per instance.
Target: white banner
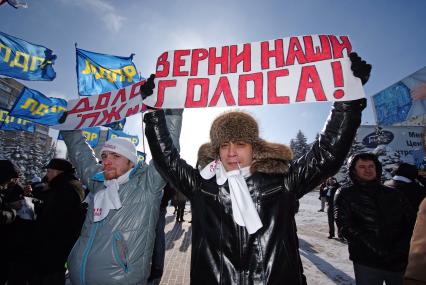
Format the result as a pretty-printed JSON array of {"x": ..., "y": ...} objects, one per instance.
[
  {"x": 314, "y": 68},
  {"x": 103, "y": 109},
  {"x": 405, "y": 141}
]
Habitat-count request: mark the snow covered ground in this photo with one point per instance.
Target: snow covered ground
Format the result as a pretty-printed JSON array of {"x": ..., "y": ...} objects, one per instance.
[{"x": 325, "y": 261}]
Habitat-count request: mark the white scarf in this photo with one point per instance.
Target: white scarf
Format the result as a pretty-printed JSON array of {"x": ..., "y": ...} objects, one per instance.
[
  {"x": 243, "y": 210},
  {"x": 108, "y": 199}
]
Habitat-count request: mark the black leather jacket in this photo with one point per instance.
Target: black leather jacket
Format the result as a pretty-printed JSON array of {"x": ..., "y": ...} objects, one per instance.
[
  {"x": 222, "y": 251},
  {"x": 375, "y": 220}
]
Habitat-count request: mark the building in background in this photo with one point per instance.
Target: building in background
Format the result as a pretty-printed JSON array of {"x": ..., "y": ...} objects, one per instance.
[{"x": 29, "y": 150}]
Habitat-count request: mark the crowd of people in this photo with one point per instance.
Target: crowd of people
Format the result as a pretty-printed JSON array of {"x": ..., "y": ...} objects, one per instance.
[{"x": 244, "y": 194}]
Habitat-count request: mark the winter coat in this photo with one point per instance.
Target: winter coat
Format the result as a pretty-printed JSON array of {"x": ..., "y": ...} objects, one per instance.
[
  {"x": 59, "y": 222},
  {"x": 116, "y": 250},
  {"x": 375, "y": 220},
  {"x": 222, "y": 251},
  {"x": 416, "y": 268},
  {"x": 414, "y": 192},
  {"x": 7, "y": 214}
]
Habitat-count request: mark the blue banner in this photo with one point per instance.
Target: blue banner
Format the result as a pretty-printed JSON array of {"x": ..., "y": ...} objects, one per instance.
[
  {"x": 91, "y": 134},
  {"x": 36, "y": 107},
  {"x": 114, "y": 134},
  {"x": 403, "y": 101},
  {"x": 10, "y": 123},
  {"x": 24, "y": 60},
  {"x": 100, "y": 73},
  {"x": 117, "y": 126},
  {"x": 141, "y": 156}
]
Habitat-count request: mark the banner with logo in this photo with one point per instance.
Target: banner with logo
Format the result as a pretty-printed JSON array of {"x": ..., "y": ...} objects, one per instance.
[
  {"x": 405, "y": 141},
  {"x": 103, "y": 109},
  {"x": 402, "y": 101},
  {"x": 114, "y": 134},
  {"x": 10, "y": 123},
  {"x": 99, "y": 73},
  {"x": 36, "y": 107},
  {"x": 314, "y": 68},
  {"x": 92, "y": 136},
  {"x": 24, "y": 60}
]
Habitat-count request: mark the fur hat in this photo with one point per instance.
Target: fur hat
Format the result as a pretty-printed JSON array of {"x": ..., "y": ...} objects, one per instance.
[
  {"x": 122, "y": 146},
  {"x": 61, "y": 164},
  {"x": 240, "y": 126}
]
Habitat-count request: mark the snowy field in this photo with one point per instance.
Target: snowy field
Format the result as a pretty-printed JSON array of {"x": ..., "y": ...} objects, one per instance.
[{"x": 325, "y": 261}]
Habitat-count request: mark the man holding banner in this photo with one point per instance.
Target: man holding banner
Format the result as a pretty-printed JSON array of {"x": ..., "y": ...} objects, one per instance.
[
  {"x": 244, "y": 192},
  {"x": 117, "y": 238}
]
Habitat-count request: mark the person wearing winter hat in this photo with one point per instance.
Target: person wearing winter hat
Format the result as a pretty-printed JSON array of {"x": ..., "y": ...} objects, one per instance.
[
  {"x": 245, "y": 190},
  {"x": 59, "y": 220},
  {"x": 376, "y": 221},
  {"x": 405, "y": 180},
  {"x": 117, "y": 238}
]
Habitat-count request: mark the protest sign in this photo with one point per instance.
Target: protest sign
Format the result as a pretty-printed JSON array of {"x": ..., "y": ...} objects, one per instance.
[
  {"x": 103, "y": 109},
  {"x": 314, "y": 68}
]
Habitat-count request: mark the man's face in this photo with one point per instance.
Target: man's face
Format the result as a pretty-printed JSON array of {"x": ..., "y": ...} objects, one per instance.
[
  {"x": 52, "y": 173},
  {"x": 114, "y": 164},
  {"x": 234, "y": 153},
  {"x": 365, "y": 170}
]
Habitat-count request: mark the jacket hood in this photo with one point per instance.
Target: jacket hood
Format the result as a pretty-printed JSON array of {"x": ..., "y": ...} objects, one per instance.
[{"x": 270, "y": 158}]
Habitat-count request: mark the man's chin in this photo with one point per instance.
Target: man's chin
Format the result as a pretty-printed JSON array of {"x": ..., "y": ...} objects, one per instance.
[{"x": 109, "y": 176}]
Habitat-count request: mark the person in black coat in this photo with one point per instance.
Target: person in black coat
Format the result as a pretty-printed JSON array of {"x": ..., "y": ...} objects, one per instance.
[
  {"x": 330, "y": 191},
  {"x": 243, "y": 196},
  {"x": 375, "y": 220},
  {"x": 8, "y": 172},
  {"x": 59, "y": 222}
]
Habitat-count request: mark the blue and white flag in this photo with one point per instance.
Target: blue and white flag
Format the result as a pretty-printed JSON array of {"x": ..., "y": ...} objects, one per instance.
[
  {"x": 114, "y": 134},
  {"x": 141, "y": 156},
  {"x": 10, "y": 123},
  {"x": 91, "y": 134},
  {"x": 24, "y": 60},
  {"x": 15, "y": 3},
  {"x": 117, "y": 126},
  {"x": 36, "y": 107},
  {"x": 99, "y": 73}
]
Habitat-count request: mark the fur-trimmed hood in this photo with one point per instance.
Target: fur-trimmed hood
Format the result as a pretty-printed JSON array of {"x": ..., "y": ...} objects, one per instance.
[{"x": 271, "y": 158}]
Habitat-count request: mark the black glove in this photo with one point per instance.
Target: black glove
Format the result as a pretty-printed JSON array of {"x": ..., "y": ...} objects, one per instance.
[
  {"x": 146, "y": 89},
  {"x": 360, "y": 68},
  {"x": 63, "y": 117}
]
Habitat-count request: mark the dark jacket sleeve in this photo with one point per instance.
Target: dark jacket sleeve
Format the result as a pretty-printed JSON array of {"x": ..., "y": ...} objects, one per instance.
[
  {"x": 329, "y": 151},
  {"x": 167, "y": 160}
]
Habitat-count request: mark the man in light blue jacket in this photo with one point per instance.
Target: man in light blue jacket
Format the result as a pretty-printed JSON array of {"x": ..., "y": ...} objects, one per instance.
[{"x": 117, "y": 238}]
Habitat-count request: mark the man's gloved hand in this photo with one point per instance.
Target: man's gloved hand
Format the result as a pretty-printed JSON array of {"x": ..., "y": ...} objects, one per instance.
[
  {"x": 146, "y": 89},
  {"x": 360, "y": 68},
  {"x": 64, "y": 116}
]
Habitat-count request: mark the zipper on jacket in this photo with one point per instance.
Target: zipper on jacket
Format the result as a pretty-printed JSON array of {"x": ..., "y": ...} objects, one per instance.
[
  {"x": 210, "y": 194},
  {"x": 271, "y": 191},
  {"x": 86, "y": 252},
  {"x": 122, "y": 261}
]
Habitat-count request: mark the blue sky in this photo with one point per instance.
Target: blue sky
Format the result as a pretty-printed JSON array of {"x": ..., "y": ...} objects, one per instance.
[{"x": 388, "y": 34}]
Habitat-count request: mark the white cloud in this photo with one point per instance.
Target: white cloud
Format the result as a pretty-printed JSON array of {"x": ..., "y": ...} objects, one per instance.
[{"x": 104, "y": 11}]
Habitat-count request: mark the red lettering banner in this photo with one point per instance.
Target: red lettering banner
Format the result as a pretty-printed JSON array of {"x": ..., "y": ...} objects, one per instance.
[{"x": 313, "y": 68}]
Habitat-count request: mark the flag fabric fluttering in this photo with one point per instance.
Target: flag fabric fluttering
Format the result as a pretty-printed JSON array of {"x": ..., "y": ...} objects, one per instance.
[
  {"x": 99, "y": 73},
  {"x": 10, "y": 123},
  {"x": 113, "y": 134},
  {"x": 24, "y": 60},
  {"x": 38, "y": 108}
]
